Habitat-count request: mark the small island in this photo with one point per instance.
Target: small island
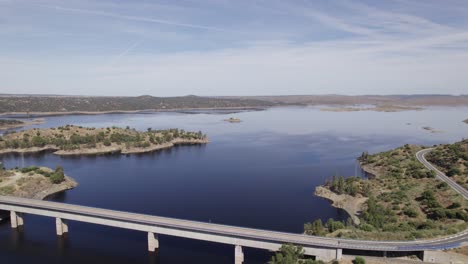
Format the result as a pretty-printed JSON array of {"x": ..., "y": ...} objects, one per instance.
[
  {"x": 78, "y": 140},
  {"x": 233, "y": 120},
  {"x": 34, "y": 182},
  {"x": 431, "y": 129},
  {"x": 401, "y": 199}
]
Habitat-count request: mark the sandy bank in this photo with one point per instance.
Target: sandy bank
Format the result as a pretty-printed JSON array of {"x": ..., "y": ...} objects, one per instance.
[
  {"x": 133, "y": 150},
  {"x": 28, "y": 150}
]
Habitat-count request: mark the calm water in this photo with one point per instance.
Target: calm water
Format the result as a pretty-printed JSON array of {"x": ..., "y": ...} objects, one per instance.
[{"x": 259, "y": 173}]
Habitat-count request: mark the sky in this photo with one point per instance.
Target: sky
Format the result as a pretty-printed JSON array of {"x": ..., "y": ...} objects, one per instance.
[{"x": 239, "y": 47}]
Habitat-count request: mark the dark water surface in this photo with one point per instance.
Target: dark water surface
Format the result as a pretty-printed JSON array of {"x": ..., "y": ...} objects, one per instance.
[{"x": 259, "y": 173}]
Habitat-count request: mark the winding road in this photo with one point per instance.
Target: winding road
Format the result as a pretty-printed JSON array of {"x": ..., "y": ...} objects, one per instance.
[{"x": 440, "y": 175}]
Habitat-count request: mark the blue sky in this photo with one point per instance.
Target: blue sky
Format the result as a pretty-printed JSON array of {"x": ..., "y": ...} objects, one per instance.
[{"x": 171, "y": 48}]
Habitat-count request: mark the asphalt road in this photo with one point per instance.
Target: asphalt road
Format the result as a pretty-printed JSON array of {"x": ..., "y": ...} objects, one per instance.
[{"x": 420, "y": 156}]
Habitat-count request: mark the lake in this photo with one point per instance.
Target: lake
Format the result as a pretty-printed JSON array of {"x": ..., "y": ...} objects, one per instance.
[{"x": 259, "y": 173}]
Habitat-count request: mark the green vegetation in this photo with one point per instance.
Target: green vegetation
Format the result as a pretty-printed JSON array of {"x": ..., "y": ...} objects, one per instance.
[
  {"x": 7, "y": 190},
  {"x": 290, "y": 254},
  {"x": 452, "y": 159},
  {"x": 8, "y": 122},
  {"x": 55, "y": 177},
  {"x": 317, "y": 228},
  {"x": 351, "y": 186},
  {"x": 359, "y": 260},
  {"x": 70, "y": 137},
  {"x": 404, "y": 199}
]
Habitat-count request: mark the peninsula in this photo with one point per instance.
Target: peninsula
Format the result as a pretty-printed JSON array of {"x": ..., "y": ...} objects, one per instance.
[
  {"x": 14, "y": 123},
  {"x": 78, "y": 140},
  {"x": 401, "y": 199},
  {"x": 34, "y": 182}
]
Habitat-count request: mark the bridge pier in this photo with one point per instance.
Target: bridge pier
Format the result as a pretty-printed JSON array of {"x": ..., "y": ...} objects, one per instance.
[
  {"x": 61, "y": 226},
  {"x": 339, "y": 253},
  {"x": 153, "y": 242},
  {"x": 16, "y": 219},
  {"x": 238, "y": 255},
  {"x": 324, "y": 254}
]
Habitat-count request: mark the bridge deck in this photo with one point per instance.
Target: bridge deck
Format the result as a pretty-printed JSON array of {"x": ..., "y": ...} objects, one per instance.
[{"x": 214, "y": 232}]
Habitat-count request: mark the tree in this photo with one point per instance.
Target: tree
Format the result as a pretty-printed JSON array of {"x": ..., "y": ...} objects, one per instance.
[
  {"x": 288, "y": 254},
  {"x": 58, "y": 176},
  {"x": 341, "y": 185},
  {"x": 107, "y": 142},
  {"x": 315, "y": 228}
]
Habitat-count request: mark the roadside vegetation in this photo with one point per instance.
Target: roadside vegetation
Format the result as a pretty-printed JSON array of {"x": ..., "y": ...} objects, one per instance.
[
  {"x": 290, "y": 254},
  {"x": 70, "y": 138},
  {"x": 404, "y": 200},
  {"x": 452, "y": 159}
]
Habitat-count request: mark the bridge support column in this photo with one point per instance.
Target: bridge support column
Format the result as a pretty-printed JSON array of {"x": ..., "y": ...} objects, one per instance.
[
  {"x": 16, "y": 219},
  {"x": 153, "y": 242},
  {"x": 61, "y": 226},
  {"x": 339, "y": 253},
  {"x": 238, "y": 255}
]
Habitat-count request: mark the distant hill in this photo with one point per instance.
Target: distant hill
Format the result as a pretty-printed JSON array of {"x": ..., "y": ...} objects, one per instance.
[
  {"x": 402, "y": 100},
  {"x": 50, "y": 104},
  {"x": 63, "y": 104}
]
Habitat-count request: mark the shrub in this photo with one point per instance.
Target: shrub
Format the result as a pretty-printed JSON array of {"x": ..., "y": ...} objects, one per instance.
[
  {"x": 29, "y": 169},
  {"x": 359, "y": 260},
  {"x": 410, "y": 212},
  {"x": 107, "y": 142}
]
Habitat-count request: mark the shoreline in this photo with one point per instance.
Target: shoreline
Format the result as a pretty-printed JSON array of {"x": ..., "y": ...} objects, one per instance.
[
  {"x": 68, "y": 184},
  {"x": 104, "y": 149},
  {"x": 41, "y": 114}
]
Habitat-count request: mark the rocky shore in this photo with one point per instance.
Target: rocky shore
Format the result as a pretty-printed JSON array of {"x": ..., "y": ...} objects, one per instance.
[{"x": 352, "y": 205}]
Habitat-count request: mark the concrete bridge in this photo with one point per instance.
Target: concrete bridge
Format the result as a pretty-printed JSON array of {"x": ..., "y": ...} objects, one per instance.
[{"x": 322, "y": 248}]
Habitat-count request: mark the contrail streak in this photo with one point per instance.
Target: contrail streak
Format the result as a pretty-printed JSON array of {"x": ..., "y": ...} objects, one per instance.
[
  {"x": 122, "y": 54},
  {"x": 136, "y": 18}
]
